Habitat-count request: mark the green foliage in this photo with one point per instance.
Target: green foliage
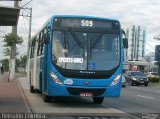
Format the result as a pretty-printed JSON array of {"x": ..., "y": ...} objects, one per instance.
[
  {"x": 5, "y": 63},
  {"x": 12, "y": 39},
  {"x": 154, "y": 79},
  {"x": 21, "y": 63},
  {"x": 7, "y": 51},
  {"x": 18, "y": 63}
]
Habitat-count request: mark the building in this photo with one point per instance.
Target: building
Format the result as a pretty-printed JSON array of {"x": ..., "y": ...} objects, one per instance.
[
  {"x": 150, "y": 58},
  {"x": 134, "y": 55},
  {"x": 136, "y": 41}
]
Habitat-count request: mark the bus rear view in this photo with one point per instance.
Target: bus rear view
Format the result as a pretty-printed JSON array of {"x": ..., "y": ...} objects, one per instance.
[{"x": 84, "y": 58}]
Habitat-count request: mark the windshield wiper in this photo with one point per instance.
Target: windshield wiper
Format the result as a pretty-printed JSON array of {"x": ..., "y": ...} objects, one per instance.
[
  {"x": 75, "y": 38},
  {"x": 97, "y": 40}
]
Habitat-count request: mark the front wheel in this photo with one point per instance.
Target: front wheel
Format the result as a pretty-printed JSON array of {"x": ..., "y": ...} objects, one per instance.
[
  {"x": 32, "y": 90},
  {"x": 46, "y": 98},
  {"x": 98, "y": 100}
]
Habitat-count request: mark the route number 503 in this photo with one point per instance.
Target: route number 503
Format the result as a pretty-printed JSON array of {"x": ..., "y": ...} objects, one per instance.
[{"x": 87, "y": 23}]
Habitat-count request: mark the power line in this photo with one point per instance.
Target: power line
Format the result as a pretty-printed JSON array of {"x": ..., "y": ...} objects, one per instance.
[
  {"x": 25, "y": 25},
  {"x": 24, "y": 20},
  {"x": 149, "y": 45}
]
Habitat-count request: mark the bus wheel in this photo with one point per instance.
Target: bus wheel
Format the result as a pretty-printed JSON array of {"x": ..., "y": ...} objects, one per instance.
[
  {"x": 98, "y": 100},
  {"x": 46, "y": 98},
  {"x": 32, "y": 90}
]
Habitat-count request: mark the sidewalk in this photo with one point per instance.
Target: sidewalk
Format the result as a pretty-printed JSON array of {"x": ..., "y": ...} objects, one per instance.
[{"x": 11, "y": 97}]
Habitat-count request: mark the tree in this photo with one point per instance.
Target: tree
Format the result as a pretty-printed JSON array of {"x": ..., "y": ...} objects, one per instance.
[
  {"x": 18, "y": 64},
  {"x": 23, "y": 60},
  {"x": 5, "y": 63},
  {"x": 21, "y": 63},
  {"x": 11, "y": 40},
  {"x": 7, "y": 51}
]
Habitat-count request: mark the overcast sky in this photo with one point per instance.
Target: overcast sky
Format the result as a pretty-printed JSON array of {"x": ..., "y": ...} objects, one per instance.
[{"x": 145, "y": 13}]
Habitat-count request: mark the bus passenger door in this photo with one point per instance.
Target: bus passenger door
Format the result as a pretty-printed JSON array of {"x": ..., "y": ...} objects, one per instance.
[{"x": 45, "y": 64}]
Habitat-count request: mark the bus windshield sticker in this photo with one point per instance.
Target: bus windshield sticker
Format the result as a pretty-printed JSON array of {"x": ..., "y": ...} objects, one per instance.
[
  {"x": 92, "y": 65},
  {"x": 70, "y": 60}
]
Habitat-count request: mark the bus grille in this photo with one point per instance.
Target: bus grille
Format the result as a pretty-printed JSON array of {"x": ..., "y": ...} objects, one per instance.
[{"x": 77, "y": 91}]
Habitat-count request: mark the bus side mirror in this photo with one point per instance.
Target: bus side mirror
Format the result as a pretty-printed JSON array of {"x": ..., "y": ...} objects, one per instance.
[
  {"x": 46, "y": 38},
  {"x": 125, "y": 40}
]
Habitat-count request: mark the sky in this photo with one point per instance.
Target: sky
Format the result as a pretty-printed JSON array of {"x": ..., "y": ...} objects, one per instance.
[{"x": 145, "y": 13}]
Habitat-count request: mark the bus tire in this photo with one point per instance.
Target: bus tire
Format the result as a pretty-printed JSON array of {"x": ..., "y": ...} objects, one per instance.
[
  {"x": 32, "y": 90},
  {"x": 98, "y": 100},
  {"x": 46, "y": 98},
  {"x": 40, "y": 88}
]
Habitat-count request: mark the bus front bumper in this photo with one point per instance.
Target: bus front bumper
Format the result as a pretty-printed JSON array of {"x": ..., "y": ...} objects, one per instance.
[{"x": 63, "y": 90}]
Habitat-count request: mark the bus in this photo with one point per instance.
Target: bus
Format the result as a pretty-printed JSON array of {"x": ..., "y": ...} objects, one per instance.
[{"x": 77, "y": 56}]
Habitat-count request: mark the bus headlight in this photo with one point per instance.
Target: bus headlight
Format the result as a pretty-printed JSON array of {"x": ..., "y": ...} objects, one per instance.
[
  {"x": 116, "y": 80},
  {"x": 55, "y": 78}
]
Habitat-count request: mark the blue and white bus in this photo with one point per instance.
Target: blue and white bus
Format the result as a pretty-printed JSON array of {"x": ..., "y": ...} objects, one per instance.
[{"x": 77, "y": 56}]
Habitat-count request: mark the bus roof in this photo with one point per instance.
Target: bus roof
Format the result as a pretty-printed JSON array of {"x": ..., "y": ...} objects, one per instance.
[
  {"x": 71, "y": 16},
  {"x": 81, "y": 16}
]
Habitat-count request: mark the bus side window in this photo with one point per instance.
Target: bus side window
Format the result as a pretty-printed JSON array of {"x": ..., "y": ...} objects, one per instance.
[
  {"x": 32, "y": 48},
  {"x": 40, "y": 44},
  {"x": 46, "y": 36},
  {"x": 42, "y": 40},
  {"x": 39, "y": 40}
]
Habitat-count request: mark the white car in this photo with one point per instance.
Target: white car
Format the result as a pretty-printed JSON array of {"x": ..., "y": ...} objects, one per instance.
[{"x": 152, "y": 74}]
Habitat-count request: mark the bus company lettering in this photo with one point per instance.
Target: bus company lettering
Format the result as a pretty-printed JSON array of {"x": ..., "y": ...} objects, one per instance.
[{"x": 70, "y": 60}]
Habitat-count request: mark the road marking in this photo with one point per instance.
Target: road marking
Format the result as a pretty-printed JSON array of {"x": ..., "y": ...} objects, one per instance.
[
  {"x": 146, "y": 97},
  {"x": 116, "y": 110},
  {"x": 133, "y": 117}
]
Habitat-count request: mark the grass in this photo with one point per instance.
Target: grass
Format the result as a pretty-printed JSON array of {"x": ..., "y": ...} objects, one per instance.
[{"x": 154, "y": 84}]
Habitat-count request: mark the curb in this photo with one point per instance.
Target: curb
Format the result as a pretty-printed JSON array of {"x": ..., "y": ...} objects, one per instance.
[{"x": 23, "y": 95}]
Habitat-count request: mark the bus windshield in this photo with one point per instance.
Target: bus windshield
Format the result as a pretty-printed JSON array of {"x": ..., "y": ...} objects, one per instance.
[{"x": 78, "y": 50}]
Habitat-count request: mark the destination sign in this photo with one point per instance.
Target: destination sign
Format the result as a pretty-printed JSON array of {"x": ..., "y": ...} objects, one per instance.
[{"x": 85, "y": 23}]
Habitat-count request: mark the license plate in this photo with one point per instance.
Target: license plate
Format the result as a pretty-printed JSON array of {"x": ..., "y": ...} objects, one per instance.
[
  {"x": 141, "y": 81},
  {"x": 86, "y": 94}
]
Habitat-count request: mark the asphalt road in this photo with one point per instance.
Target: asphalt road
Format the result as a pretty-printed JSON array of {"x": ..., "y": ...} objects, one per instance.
[
  {"x": 133, "y": 100},
  {"x": 137, "y": 99}
]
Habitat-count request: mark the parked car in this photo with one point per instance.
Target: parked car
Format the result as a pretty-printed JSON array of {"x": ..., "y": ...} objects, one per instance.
[
  {"x": 152, "y": 74},
  {"x": 136, "y": 77},
  {"x": 123, "y": 81}
]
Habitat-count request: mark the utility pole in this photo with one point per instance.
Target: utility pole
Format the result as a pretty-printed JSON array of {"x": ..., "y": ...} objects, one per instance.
[
  {"x": 29, "y": 39},
  {"x": 29, "y": 34},
  {"x": 13, "y": 51}
]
